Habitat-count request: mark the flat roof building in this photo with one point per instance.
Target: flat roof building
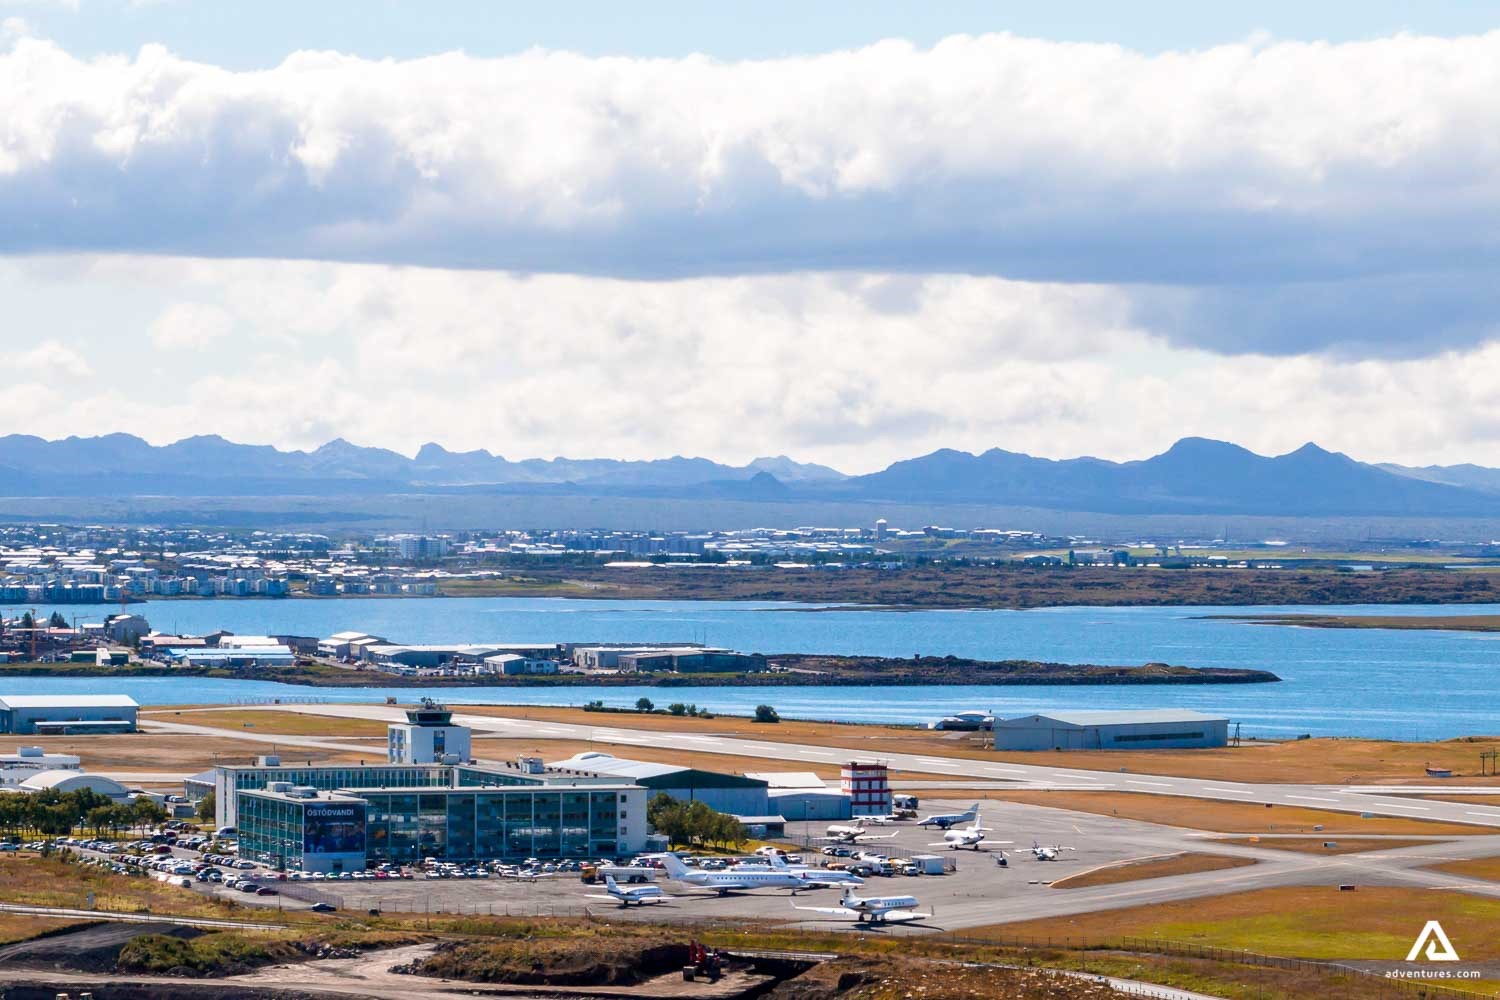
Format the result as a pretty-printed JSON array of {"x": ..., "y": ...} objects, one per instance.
[
  {"x": 67, "y": 715},
  {"x": 1112, "y": 730},
  {"x": 307, "y": 817},
  {"x": 737, "y": 794}
]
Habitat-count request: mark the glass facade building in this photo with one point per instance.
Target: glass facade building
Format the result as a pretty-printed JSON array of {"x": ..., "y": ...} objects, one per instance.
[{"x": 452, "y": 813}]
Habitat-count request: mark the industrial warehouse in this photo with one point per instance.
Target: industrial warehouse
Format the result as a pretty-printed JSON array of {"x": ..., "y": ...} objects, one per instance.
[
  {"x": 67, "y": 715},
  {"x": 1112, "y": 730}
]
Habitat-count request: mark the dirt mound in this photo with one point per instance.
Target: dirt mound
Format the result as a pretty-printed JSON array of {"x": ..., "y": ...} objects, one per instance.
[
  {"x": 86, "y": 948},
  {"x": 552, "y": 962}
]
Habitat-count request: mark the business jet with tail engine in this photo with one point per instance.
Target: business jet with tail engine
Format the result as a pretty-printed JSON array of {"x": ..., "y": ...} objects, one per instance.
[
  {"x": 735, "y": 880},
  {"x": 816, "y": 878},
  {"x": 854, "y": 833},
  {"x": 871, "y": 909},
  {"x": 637, "y": 894},
  {"x": 944, "y": 820},
  {"x": 966, "y": 836}
]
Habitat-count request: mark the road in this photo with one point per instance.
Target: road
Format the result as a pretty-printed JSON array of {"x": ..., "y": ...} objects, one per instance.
[{"x": 1377, "y": 801}]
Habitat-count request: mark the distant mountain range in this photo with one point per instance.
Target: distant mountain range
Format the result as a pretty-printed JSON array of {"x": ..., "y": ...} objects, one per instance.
[{"x": 1194, "y": 476}]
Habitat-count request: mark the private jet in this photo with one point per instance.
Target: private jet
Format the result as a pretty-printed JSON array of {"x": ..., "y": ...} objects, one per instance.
[
  {"x": 815, "y": 878},
  {"x": 871, "y": 909},
  {"x": 737, "y": 880},
  {"x": 637, "y": 894},
  {"x": 966, "y": 836},
  {"x": 854, "y": 833},
  {"x": 945, "y": 820}
]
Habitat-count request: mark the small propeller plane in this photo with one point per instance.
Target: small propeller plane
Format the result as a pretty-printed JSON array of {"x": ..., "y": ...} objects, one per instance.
[{"x": 944, "y": 820}]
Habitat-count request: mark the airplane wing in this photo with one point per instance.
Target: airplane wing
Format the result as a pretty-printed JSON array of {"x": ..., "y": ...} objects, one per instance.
[
  {"x": 635, "y": 899},
  {"x": 905, "y": 915},
  {"x": 833, "y": 911},
  {"x": 871, "y": 836}
]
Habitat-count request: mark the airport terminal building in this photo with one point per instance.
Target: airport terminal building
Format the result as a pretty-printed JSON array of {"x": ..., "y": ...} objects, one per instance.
[
  {"x": 343, "y": 817},
  {"x": 1112, "y": 730}
]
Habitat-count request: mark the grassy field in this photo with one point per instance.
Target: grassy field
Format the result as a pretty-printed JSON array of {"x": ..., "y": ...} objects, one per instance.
[
  {"x": 1012, "y": 586},
  {"x": 1483, "y": 868},
  {"x": 1320, "y": 761},
  {"x": 164, "y": 752},
  {"x": 19, "y": 926},
  {"x": 272, "y": 721},
  {"x": 1373, "y": 922},
  {"x": 1134, "y": 871},
  {"x": 1314, "y": 845},
  {"x": 1231, "y": 817},
  {"x": 39, "y": 881}
]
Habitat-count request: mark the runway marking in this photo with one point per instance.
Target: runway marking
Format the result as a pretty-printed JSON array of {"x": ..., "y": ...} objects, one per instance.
[
  {"x": 1312, "y": 798},
  {"x": 1393, "y": 805},
  {"x": 1228, "y": 791},
  {"x": 1490, "y": 815},
  {"x": 1153, "y": 784}
]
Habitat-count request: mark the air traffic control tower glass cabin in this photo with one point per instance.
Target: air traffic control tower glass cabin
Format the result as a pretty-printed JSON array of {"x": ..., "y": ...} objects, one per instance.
[{"x": 427, "y": 737}]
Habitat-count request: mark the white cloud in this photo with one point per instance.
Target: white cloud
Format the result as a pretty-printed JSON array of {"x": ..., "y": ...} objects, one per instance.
[
  {"x": 51, "y": 358},
  {"x": 190, "y": 325},
  {"x": 852, "y": 369},
  {"x": 1354, "y": 186}
]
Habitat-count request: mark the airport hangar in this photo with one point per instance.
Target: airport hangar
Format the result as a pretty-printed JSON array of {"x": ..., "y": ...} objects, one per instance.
[
  {"x": 1112, "y": 730},
  {"x": 67, "y": 715}
]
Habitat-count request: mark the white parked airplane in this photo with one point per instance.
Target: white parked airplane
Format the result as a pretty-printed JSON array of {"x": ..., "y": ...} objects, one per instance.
[
  {"x": 944, "y": 820},
  {"x": 734, "y": 880},
  {"x": 816, "y": 878},
  {"x": 1047, "y": 853},
  {"x": 637, "y": 894},
  {"x": 966, "y": 836},
  {"x": 871, "y": 909},
  {"x": 853, "y": 833}
]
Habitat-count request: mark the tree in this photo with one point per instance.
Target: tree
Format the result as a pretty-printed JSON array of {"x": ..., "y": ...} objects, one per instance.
[
  {"x": 765, "y": 713},
  {"x": 57, "y": 620},
  {"x": 677, "y": 708},
  {"x": 643, "y": 705},
  {"x": 207, "y": 806}
]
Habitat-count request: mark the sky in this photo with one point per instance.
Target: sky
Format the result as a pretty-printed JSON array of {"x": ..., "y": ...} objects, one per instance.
[{"x": 847, "y": 233}]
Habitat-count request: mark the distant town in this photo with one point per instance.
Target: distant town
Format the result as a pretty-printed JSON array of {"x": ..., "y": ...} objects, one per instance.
[{"x": 53, "y": 564}]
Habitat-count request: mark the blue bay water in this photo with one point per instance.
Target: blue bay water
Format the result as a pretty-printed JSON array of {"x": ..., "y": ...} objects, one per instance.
[{"x": 1395, "y": 684}]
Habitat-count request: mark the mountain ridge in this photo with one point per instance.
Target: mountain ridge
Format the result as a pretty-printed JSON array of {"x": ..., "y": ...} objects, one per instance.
[{"x": 1194, "y": 476}]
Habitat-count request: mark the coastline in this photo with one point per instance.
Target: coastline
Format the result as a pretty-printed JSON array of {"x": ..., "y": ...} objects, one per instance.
[{"x": 794, "y": 670}]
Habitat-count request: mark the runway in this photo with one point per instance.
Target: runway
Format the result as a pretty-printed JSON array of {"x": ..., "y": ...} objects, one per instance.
[{"x": 1376, "y": 800}]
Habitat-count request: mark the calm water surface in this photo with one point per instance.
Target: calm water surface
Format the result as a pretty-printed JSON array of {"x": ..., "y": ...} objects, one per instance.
[{"x": 1397, "y": 684}]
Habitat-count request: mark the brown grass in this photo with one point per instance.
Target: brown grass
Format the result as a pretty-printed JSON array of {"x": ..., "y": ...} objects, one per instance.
[
  {"x": 20, "y": 926},
  {"x": 1373, "y": 922},
  {"x": 1314, "y": 845},
  {"x": 1482, "y": 868},
  {"x": 1229, "y": 817},
  {"x": 1161, "y": 867},
  {"x": 272, "y": 721},
  {"x": 38, "y": 881},
  {"x": 164, "y": 752},
  {"x": 1320, "y": 761}
]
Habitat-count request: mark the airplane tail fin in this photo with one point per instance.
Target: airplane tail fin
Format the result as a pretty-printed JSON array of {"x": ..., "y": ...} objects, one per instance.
[
  {"x": 673, "y": 864},
  {"x": 609, "y": 880},
  {"x": 777, "y": 861}
]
